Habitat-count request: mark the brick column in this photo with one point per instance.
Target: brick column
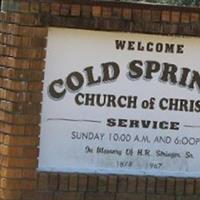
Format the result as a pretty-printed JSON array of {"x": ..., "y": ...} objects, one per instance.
[{"x": 22, "y": 53}]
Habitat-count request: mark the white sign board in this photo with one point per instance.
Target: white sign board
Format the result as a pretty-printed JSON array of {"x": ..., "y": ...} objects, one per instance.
[{"x": 121, "y": 103}]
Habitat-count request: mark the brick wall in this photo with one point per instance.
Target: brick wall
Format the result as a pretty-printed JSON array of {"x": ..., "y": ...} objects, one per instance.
[
  {"x": 22, "y": 50},
  {"x": 23, "y": 31}
]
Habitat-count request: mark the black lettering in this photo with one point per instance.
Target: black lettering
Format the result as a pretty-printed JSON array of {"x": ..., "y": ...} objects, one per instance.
[
  {"x": 163, "y": 103},
  {"x": 132, "y": 102},
  {"x": 150, "y": 46},
  {"x": 183, "y": 105},
  {"x": 122, "y": 123},
  {"x": 90, "y": 77},
  {"x": 89, "y": 99},
  {"x": 99, "y": 99},
  {"x": 120, "y": 103},
  {"x": 195, "y": 79},
  {"x": 169, "y": 73},
  {"x": 111, "y": 101},
  {"x": 169, "y": 48},
  {"x": 140, "y": 46},
  {"x": 131, "y": 45},
  {"x": 78, "y": 98},
  {"x": 197, "y": 106},
  {"x": 159, "y": 47},
  {"x": 52, "y": 90},
  {"x": 111, "y": 122},
  {"x": 145, "y": 123},
  {"x": 75, "y": 81},
  {"x": 174, "y": 125},
  {"x": 134, "y": 123},
  {"x": 110, "y": 71},
  {"x": 135, "y": 70},
  {"x": 184, "y": 75},
  {"x": 173, "y": 105},
  {"x": 163, "y": 125},
  {"x": 151, "y": 67},
  {"x": 180, "y": 48},
  {"x": 120, "y": 44}
]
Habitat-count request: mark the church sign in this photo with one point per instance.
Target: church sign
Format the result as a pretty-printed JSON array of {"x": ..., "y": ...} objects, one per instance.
[{"x": 121, "y": 103}]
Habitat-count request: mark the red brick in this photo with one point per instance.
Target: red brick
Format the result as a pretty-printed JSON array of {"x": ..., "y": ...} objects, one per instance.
[
  {"x": 122, "y": 184},
  {"x": 38, "y": 195},
  {"x": 75, "y": 10},
  {"x": 20, "y": 97},
  {"x": 180, "y": 184},
  {"x": 21, "y": 85},
  {"x": 189, "y": 186},
  {"x": 64, "y": 182},
  {"x": 92, "y": 183},
  {"x": 146, "y": 15},
  {"x": 170, "y": 187},
  {"x": 165, "y": 16},
  {"x": 22, "y": 63},
  {"x": 130, "y": 196},
  {"x": 14, "y": 173},
  {"x": 11, "y": 151},
  {"x": 24, "y": 6},
  {"x": 132, "y": 184},
  {"x": 18, "y": 119},
  {"x": 69, "y": 195},
  {"x": 161, "y": 185},
  {"x": 160, "y": 197},
  {"x": 21, "y": 141},
  {"x": 42, "y": 181},
  {"x": 45, "y": 7},
  {"x": 23, "y": 53},
  {"x": 82, "y": 183},
  {"x": 194, "y": 17},
  {"x": 53, "y": 181},
  {"x": 112, "y": 183},
  {"x": 73, "y": 182},
  {"x": 137, "y": 15},
  {"x": 117, "y": 12},
  {"x": 21, "y": 75},
  {"x": 156, "y": 15},
  {"x": 102, "y": 183},
  {"x": 55, "y": 8},
  {"x": 197, "y": 186},
  {"x": 185, "y": 17},
  {"x": 175, "y": 17},
  {"x": 23, "y": 30},
  {"x": 141, "y": 184},
  {"x": 106, "y": 12},
  {"x": 100, "y": 196},
  {"x": 10, "y": 194},
  {"x": 17, "y": 108},
  {"x": 65, "y": 9},
  {"x": 19, "y": 163},
  {"x": 96, "y": 11},
  {"x": 151, "y": 185},
  {"x": 22, "y": 41},
  {"x": 86, "y": 11},
  {"x": 28, "y": 185},
  {"x": 17, "y": 184},
  {"x": 29, "y": 174},
  {"x": 127, "y": 13},
  {"x": 34, "y": 7}
]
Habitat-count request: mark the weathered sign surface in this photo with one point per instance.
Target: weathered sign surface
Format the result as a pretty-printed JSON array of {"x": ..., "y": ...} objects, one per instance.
[{"x": 121, "y": 103}]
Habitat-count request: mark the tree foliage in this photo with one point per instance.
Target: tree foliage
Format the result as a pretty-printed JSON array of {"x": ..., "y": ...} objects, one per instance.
[
  {"x": 175, "y": 2},
  {"x": 168, "y": 2}
]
